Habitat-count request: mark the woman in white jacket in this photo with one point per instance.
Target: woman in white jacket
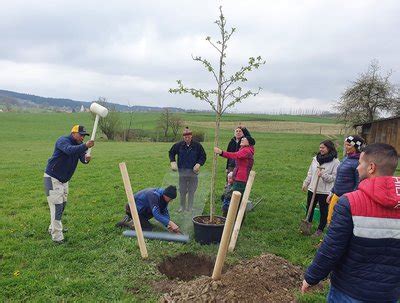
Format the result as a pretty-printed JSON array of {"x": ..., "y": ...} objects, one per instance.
[{"x": 327, "y": 159}]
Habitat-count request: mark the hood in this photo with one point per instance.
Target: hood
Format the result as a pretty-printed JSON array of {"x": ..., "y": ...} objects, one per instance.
[{"x": 382, "y": 190}]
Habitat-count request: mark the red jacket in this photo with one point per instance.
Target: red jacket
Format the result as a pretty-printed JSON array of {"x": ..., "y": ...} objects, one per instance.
[{"x": 244, "y": 162}]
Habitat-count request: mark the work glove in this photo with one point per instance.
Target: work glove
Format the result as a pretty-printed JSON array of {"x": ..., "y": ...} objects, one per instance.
[
  {"x": 174, "y": 167},
  {"x": 196, "y": 168}
]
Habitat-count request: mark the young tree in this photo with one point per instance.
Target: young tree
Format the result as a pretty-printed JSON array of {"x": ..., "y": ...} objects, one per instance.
[
  {"x": 371, "y": 94},
  {"x": 176, "y": 123},
  {"x": 227, "y": 92},
  {"x": 111, "y": 124},
  {"x": 164, "y": 121}
]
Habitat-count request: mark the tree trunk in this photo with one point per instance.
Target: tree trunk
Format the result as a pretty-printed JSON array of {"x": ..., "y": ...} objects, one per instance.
[{"x": 214, "y": 168}]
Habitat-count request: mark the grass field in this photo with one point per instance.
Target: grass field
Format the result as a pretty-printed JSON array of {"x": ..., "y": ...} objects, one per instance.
[{"x": 97, "y": 263}]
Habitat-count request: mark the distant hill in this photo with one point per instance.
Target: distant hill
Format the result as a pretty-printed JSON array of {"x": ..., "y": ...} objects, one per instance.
[{"x": 20, "y": 100}]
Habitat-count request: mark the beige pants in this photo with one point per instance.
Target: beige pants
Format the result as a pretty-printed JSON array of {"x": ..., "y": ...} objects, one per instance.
[{"x": 56, "y": 193}]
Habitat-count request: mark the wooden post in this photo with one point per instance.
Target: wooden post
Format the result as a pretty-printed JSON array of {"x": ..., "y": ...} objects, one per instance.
[
  {"x": 226, "y": 234},
  {"x": 132, "y": 206},
  {"x": 242, "y": 210}
]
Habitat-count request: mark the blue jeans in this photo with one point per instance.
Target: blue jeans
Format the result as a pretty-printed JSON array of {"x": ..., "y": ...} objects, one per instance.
[{"x": 337, "y": 296}]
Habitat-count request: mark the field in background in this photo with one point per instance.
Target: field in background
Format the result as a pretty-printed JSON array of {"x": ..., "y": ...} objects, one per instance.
[{"x": 97, "y": 263}]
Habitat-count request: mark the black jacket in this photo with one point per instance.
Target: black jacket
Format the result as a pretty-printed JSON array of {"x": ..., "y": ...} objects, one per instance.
[
  {"x": 233, "y": 147},
  {"x": 188, "y": 156}
]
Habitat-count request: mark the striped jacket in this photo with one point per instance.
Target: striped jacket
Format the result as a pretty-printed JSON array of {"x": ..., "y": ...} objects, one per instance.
[{"x": 362, "y": 246}]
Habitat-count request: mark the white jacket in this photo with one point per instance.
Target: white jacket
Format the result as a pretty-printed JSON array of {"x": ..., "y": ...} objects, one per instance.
[{"x": 327, "y": 179}]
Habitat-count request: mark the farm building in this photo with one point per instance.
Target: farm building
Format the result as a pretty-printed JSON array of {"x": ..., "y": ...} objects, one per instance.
[{"x": 382, "y": 130}]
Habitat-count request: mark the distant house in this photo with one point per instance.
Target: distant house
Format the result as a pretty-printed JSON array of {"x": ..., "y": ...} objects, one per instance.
[{"x": 382, "y": 131}]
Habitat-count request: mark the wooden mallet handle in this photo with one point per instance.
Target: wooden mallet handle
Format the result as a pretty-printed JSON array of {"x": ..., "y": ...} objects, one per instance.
[{"x": 132, "y": 206}]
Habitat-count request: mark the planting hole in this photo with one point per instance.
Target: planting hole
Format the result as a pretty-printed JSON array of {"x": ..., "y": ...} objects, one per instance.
[{"x": 186, "y": 266}]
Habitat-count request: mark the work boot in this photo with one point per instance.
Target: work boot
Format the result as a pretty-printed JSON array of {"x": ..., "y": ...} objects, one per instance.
[{"x": 125, "y": 222}]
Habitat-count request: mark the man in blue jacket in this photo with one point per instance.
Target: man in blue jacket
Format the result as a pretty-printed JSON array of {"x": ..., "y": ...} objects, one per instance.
[
  {"x": 191, "y": 156},
  {"x": 152, "y": 202},
  {"x": 362, "y": 247},
  {"x": 61, "y": 166}
]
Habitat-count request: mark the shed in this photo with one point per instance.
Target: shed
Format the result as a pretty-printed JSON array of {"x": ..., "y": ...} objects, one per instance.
[{"x": 382, "y": 131}]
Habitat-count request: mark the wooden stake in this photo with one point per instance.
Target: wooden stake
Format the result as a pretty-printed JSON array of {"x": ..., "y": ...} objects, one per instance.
[
  {"x": 226, "y": 234},
  {"x": 242, "y": 210},
  {"x": 132, "y": 206}
]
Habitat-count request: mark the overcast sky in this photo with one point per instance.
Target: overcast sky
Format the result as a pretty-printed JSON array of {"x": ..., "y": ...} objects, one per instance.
[{"x": 132, "y": 52}]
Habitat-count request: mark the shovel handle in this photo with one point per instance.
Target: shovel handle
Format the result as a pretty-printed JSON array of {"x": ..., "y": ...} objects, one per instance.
[{"x": 310, "y": 207}]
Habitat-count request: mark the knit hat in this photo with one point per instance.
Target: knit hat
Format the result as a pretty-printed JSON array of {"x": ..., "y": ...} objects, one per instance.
[
  {"x": 170, "y": 191},
  {"x": 356, "y": 141},
  {"x": 187, "y": 131}
]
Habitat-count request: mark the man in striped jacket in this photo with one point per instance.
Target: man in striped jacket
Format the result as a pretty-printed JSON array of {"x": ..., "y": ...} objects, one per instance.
[{"x": 362, "y": 247}]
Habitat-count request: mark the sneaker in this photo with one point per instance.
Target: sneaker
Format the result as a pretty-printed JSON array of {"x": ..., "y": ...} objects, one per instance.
[
  {"x": 59, "y": 242},
  {"x": 317, "y": 234}
]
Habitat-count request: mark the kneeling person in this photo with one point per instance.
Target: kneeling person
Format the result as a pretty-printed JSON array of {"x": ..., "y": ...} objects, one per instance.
[{"x": 152, "y": 202}]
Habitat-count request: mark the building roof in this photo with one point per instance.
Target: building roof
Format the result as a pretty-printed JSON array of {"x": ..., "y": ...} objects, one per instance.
[{"x": 378, "y": 120}]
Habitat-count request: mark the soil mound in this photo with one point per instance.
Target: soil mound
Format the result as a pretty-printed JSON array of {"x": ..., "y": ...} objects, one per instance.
[{"x": 267, "y": 278}]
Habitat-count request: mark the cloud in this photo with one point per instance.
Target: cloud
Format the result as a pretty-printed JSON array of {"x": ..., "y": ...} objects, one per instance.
[{"x": 134, "y": 51}]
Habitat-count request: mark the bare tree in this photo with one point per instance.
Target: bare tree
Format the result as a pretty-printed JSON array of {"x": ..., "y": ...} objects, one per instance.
[
  {"x": 111, "y": 124},
  {"x": 176, "y": 123},
  {"x": 371, "y": 94},
  {"x": 227, "y": 92},
  {"x": 164, "y": 121}
]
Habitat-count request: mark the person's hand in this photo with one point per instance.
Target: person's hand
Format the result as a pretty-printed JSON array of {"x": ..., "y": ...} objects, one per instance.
[
  {"x": 328, "y": 199},
  {"x": 172, "y": 227},
  {"x": 89, "y": 143},
  {"x": 305, "y": 287},
  {"x": 196, "y": 168},
  {"x": 319, "y": 173},
  {"x": 88, "y": 158},
  {"x": 217, "y": 150},
  {"x": 304, "y": 188},
  {"x": 174, "y": 167}
]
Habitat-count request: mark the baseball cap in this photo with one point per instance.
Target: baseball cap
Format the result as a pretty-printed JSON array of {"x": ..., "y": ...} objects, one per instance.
[{"x": 79, "y": 129}]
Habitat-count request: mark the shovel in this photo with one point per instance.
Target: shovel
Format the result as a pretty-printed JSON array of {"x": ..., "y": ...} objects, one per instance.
[{"x": 305, "y": 226}]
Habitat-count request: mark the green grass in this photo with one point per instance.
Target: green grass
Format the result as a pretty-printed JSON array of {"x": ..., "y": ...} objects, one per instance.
[{"x": 97, "y": 263}]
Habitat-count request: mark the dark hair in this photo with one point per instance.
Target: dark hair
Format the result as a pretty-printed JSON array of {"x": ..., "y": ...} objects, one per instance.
[
  {"x": 384, "y": 156},
  {"x": 331, "y": 147},
  {"x": 357, "y": 141}
]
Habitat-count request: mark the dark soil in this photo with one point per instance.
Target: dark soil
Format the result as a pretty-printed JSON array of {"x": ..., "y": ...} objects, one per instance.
[
  {"x": 206, "y": 220},
  {"x": 186, "y": 266},
  {"x": 267, "y": 278}
]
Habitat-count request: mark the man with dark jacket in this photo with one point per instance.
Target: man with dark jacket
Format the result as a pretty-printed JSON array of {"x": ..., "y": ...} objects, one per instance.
[
  {"x": 191, "y": 156},
  {"x": 61, "y": 166},
  {"x": 152, "y": 202},
  {"x": 362, "y": 247}
]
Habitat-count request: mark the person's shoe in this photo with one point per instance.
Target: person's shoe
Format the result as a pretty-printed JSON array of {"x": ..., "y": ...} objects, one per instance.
[
  {"x": 59, "y": 242},
  {"x": 317, "y": 234},
  {"x": 124, "y": 222}
]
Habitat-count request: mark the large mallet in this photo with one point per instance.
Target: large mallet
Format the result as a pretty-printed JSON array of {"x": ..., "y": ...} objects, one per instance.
[{"x": 100, "y": 111}]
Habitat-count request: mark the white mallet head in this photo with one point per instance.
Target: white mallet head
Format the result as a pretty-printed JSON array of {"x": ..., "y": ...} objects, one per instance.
[{"x": 98, "y": 109}]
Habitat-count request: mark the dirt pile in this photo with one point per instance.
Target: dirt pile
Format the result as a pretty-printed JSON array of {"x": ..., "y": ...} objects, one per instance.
[{"x": 267, "y": 278}]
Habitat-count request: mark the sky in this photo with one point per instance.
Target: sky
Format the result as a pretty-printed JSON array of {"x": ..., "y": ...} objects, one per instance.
[{"x": 132, "y": 52}]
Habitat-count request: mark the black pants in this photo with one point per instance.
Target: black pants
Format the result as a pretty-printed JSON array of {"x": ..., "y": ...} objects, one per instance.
[
  {"x": 143, "y": 218},
  {"x": 323, "y": 208},
  {"x": 188, "y": 182}
]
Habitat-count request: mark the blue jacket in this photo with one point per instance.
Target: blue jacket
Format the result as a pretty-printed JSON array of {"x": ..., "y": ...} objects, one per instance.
[
  {"x": 188, "y": 156},
  {"x": 150, "y": 203},
  {"x": 347, "y": 175},
  {"x": 362, "y": 246},
  {"x": 64, "y": 160}
]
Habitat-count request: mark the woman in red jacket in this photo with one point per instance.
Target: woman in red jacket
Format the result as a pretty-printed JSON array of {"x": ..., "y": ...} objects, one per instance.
[{"x": 244, "y": 162}]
